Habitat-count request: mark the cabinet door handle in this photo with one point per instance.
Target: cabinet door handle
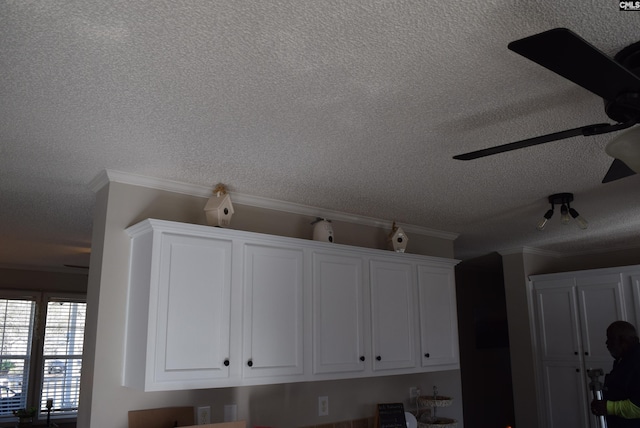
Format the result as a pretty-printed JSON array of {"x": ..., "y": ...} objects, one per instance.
[
  {"x": 586, "y": 353},
  {"x": 250, "y": 363},
  {"x": 575, "y": 353},
  {"x": 426, "y": 355},
  {"x": 226, "y": 362},
  {"x": 362, "y": 358},
  {"x": 378, "y": 358},
  {"x": 577, "y": 370}
]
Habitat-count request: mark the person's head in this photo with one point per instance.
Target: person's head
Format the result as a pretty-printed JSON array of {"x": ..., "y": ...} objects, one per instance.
[{"x": 620, "y": 336}]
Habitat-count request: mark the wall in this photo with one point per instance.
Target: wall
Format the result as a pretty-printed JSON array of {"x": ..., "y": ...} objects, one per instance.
[
  {"x": 517, "y": 267},
  {"x": 105, "y": 403},
  {"x": 24, "y": 279},
  {"x": 485, "y": 363}
]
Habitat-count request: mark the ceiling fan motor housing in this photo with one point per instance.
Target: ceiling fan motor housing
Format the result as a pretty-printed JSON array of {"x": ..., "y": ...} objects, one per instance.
[{"x": 626, "y": 106}]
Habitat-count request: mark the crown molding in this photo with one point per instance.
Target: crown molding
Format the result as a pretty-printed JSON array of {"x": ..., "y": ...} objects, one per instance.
[
  {"x": 558, "y": 255},
  {"x": 532, "y": 251},
  {"x": 110, "y": 176}
]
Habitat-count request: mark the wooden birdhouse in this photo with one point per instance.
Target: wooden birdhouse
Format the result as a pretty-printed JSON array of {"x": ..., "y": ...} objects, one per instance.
[
  {"x": 219, "y": 208},
  {"x": 397, "y": 239},
  {"x": 322, "y": 230}
]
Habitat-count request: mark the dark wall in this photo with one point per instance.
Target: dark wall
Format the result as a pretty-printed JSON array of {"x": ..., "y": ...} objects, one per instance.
[
  {"x": 485, "y": 364},
  {"x": 22, "y": 279}
]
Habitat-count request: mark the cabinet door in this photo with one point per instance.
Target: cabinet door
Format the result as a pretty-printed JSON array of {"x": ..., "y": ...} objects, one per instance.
[
  {"x": 273, "y": 319},
  {"x": 392, "y": 302},
  {"x": 338, "y": 321},
  {"x": 601, "y": 303},
  {"x": 566, "y": 394},
  {"x": 557, "y": 312},
  {"x": 438, "y": 316},
  {"x": 635, "y": 291},
  {"x": 193, "y": 311}
]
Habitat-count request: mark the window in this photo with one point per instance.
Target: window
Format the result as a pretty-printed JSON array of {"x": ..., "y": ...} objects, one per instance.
[
  {"x": 41, "y": 338},
  {"x": 15, "y": 352}
]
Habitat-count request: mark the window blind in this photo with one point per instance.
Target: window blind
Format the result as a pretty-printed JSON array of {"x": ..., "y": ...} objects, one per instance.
[
  {"x": 16, "y": 331},
  {"x": 62, "y": 355}
]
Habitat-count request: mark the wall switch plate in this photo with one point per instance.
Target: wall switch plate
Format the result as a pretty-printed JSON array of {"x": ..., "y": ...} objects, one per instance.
[
  {"x": 323, "y": 406},
  {"x": 204, "y": 415}
]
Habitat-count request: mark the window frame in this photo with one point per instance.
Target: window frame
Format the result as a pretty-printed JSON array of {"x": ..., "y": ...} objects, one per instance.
[{"x": 36, "y": 372}]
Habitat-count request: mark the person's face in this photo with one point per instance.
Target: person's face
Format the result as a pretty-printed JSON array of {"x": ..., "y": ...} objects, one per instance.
[{"x": 614, "y": 344}]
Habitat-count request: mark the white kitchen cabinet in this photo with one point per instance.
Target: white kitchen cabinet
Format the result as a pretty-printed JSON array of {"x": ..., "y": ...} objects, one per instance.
[
  {"x": 565, "y": 394},
  {"x": 179, "y": 310},
  {"x": 338, "y": 313},
  {"x": 210, "y": 307},
  {"x": 634, "y": 279},
  {"x": 573, "y": 311},
  {"x": 557, "y": 319},
  {"x": 437, "y": 312},
  {"x": 393, "y": 316},
  {"x": 601, "y": 302},
  {"x": 273, "y": 321}
]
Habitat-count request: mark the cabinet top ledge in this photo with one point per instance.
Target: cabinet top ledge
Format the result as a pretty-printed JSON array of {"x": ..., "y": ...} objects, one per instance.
[{"x": 151, "y": 225}]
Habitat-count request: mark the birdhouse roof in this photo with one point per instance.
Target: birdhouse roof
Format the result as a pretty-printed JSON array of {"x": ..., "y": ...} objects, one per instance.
[
  {"x": 217, "y": 202},
  {"x": 396, "y": 232}
]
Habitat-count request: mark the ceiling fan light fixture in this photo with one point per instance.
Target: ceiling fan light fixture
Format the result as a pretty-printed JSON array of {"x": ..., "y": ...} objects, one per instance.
[
  {"x": 566, "y": 212},
  {"x": 626, "y": 147}
]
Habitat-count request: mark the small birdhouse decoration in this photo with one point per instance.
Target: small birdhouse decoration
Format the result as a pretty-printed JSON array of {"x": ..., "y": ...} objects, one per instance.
[
  {"x": 398, "y": 239},
  {"x": 219, "y": 208},
  {"x": 322, "y": 230}
]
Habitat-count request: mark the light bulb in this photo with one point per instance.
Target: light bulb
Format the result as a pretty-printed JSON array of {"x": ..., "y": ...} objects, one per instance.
[
  {"x": 582, "y": 223},
  {"x": 543, "y": 222},
  {"x": 564, "y": 214}
]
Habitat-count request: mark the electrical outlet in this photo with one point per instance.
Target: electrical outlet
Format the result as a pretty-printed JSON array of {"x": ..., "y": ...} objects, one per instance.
[
  {"x": 230, "y": 412},
  {"x": 204, "y": 415},
  {"x": 323, "y": 406}
]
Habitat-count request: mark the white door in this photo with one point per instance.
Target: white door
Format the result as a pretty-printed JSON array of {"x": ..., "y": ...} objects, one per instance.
[
  {"x": 273, "y": 318},
  {"x": 338, "y": 319},
  {"x": 193, "y": 309},
  {"x": 566, "y": 394},
  {"x": 635, "y": 291},
  {"x": 438, "y": 316},
  {"x": 392, "y": 312},
  {"x": 601, "y": 302},
  {"x": 557, "y": 311}
]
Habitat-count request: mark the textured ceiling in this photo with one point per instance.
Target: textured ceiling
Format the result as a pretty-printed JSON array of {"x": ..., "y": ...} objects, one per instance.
[{"x": 352, "y": 106}]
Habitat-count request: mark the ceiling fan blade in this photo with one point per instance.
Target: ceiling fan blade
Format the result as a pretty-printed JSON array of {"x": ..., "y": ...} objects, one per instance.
[
  {"x": 584, "y": 130},
  {"x": 569, "y": 55},
  {"x": 617, "y": 170}
]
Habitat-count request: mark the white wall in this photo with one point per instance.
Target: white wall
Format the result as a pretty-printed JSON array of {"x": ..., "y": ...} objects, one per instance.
[{"x": 104, "y": 403}]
